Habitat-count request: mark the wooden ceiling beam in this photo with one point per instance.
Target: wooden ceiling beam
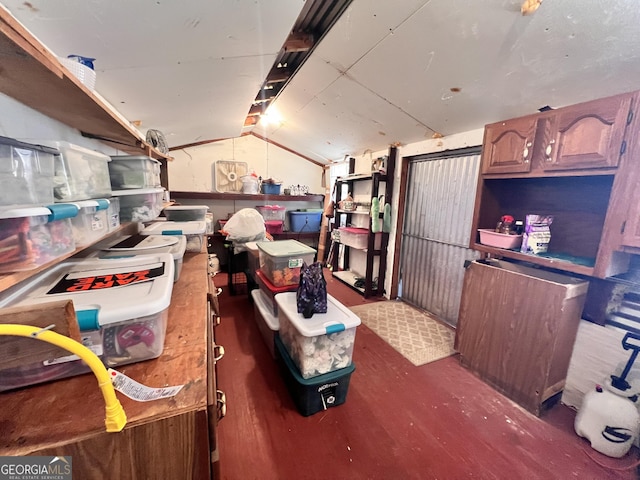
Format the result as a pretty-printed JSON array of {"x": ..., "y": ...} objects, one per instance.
[
  {"x": 278, "y": 75},
  {"x": 299, "y": 42}
]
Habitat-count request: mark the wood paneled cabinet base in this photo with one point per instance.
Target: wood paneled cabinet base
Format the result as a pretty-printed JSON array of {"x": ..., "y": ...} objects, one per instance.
[{"x": 516, "y": 328}]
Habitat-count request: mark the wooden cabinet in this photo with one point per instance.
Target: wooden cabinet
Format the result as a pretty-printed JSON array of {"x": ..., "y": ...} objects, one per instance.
[
  {"x": 585, "y": 136},
  {"x": 169, "y": 438},
  {"x": 516, "y": 329},
  {"x": 588, "y": 135},
  {"x": 579, "y": 166},
  {"x": 508, "y": 146}
]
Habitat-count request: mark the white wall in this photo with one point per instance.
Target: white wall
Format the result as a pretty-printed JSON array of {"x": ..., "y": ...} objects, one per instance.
[{"x": 192, "y": 168}]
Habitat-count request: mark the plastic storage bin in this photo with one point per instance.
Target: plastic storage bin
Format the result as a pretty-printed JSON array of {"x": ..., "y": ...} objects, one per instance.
[
  {"x": 271, "y": 188},
  {"x": 317, "y": 394},
  {"x": 194, "y": 231},
  {"x": 500, "y": 240},
  {"x": 134, "y": 171},
  {"x": 304, "y": 221},
  {"x": 186, "y": 213},
  {"x": 280, "y": 261},
  {"x": 150, "y": 245},
  {"x": 91, "y": 222},
  {"x": 26, "y": 173},
  {"x": 33, "y": 236},
  {"x": 80, "y": 173},
  {"x": 271, "y": 212},
  {"x": 268, "y": 323},
  {"x": 274, "y": 226},
  {"x": 357, "y": 237},
  {"x": 270, "y": 291},
  {"x": 121, "y": 307},
  {"x": 140, "y": 205},
  {"x": 113, "y": 214},
  {"x": 320, "y": 344}
]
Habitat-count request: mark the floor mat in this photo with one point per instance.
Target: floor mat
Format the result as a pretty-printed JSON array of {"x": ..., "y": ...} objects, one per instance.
[{"x": 416, "y": 335}]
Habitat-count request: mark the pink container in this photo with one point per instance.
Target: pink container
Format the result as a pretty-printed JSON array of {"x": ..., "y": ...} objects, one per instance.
[
  {"x": 271, "y": 212},
  {"x": 274, "y": 226},
  {"x": 500, "y": 240}
]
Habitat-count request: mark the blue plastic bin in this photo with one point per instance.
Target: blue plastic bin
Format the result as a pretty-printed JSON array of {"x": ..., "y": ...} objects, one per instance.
[
  {"x": 271, "y": 188},
  {"x": 303, "y": 221}
]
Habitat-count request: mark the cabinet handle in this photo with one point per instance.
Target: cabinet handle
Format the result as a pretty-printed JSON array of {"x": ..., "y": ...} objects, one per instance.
[
  {"x": 525, "y": 152},
  {"x": 221, "y": 401},
  {"x": 216, "y": 319},
  {"x": 549, "y": 149},
  {"x": 220, "y": 352}
]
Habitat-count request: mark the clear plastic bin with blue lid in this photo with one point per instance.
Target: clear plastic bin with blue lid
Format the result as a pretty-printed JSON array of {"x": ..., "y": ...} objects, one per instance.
[
  {"x": 194, "y": 231},
  {"x": 26, "y": 173},
  {"x": 33, "y": 236},
  {"x": 134, "y": 171},
  {"x": 150, "y": 245},
  {"x": 140, "y": 204},
  {"x": 322, "y": 343},
  {"x": 121, "y": 308},
  {"x": 281, "y": 260}
]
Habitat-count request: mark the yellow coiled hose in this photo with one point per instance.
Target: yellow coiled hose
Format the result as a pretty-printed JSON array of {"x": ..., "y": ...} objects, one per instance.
[{"x": 116, "y": 418}]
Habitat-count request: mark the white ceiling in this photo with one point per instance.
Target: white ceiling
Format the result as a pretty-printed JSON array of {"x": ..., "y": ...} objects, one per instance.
[{"x": 383, "y": 74}]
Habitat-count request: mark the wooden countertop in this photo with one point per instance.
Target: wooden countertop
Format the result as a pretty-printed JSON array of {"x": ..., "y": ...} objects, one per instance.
[{"x": 73, "y": 409}]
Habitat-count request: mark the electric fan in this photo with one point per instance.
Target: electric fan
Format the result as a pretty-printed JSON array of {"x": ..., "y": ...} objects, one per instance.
[{"x": 227, "y": 175}]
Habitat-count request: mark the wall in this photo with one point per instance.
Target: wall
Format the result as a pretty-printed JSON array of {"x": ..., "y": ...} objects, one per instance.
[{"x": 192, "y": 168}]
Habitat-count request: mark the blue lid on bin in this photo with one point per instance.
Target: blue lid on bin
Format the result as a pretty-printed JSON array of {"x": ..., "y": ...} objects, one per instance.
[{"x": 60, "y": 211}]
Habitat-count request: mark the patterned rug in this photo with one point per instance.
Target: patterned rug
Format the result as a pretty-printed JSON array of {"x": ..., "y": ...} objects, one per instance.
[{"x": 416, "y": 335}]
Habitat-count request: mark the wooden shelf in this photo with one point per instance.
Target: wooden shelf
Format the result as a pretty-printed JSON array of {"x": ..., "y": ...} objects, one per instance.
[
  {"x": 566, "y": 266},
  {"x": 9, "y": 280},
  {"x": 348, "y": 278},
  {"x": 356, "y": 212},
  {"x": 33, "y": 75},
  {"x": 246, "y": 196}
]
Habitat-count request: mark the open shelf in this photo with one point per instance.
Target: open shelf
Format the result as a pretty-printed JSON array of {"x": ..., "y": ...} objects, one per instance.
[
  {"x": 246, "y": 196},
  {"x": 348, "y": 278},
  {"x": 555, "y": 263},
  {"x": 34, "y": 76}
]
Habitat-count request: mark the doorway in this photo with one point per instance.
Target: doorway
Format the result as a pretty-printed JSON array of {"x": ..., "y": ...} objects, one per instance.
[{"x": 441, "y": 190}]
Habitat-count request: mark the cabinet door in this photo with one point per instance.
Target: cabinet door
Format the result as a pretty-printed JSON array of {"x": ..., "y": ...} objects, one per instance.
[
  {"x": 508, "y": 146},
  {"x": 588, "y": 135}
]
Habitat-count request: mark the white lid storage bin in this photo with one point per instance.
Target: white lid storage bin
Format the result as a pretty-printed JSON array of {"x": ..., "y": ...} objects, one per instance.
[
  {"x": 150, "y": 245},
  {"x": 26, "y": 173},
  {"x": 134, "y": 171},
  {"x": 280, "y": 261},
  {"x": 358, "y": 237},
  {"x": 320, "y": 344},
  {"x": 194, "y": 231},
  {"x": 121, "y": 307},
  {"x": 268, "y": 324},
  {"x": 91, "y": 222},
  {"x": 140, "y": 205},
  {"x": 186, "y": 213},
  {"x": 33, "y": 236},
  {"x": 79, "y": 173}
]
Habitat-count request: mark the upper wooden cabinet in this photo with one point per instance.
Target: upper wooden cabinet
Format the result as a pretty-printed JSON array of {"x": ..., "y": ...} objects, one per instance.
[
  {"x": 508, "y": 146},
  {"x": 586, "y": 136}
]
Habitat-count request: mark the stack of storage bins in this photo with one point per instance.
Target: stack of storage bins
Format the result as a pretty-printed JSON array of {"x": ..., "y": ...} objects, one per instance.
[
  {"x": 121, "y": 307},
  {"x": 135, "y": 181},
  {"x": 315, "y": 354},
  {"x": 187, "y": 220},
  {"x": 273, "y": 217},
  {"x": 33, "y": 231}
]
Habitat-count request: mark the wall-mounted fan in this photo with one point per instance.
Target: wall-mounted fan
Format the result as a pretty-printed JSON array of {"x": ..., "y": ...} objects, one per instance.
[{"x": 227, "y": 175}]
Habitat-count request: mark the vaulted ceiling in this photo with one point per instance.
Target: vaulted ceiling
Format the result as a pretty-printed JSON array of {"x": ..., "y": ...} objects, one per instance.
[{"x": 387, "y": 72}]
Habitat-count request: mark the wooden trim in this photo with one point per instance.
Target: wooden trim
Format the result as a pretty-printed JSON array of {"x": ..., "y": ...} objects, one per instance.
[
  {"x": 266, "y": 139},
  {"x": 299, "y": 42},
  {"x": 402, "y": 196}
]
